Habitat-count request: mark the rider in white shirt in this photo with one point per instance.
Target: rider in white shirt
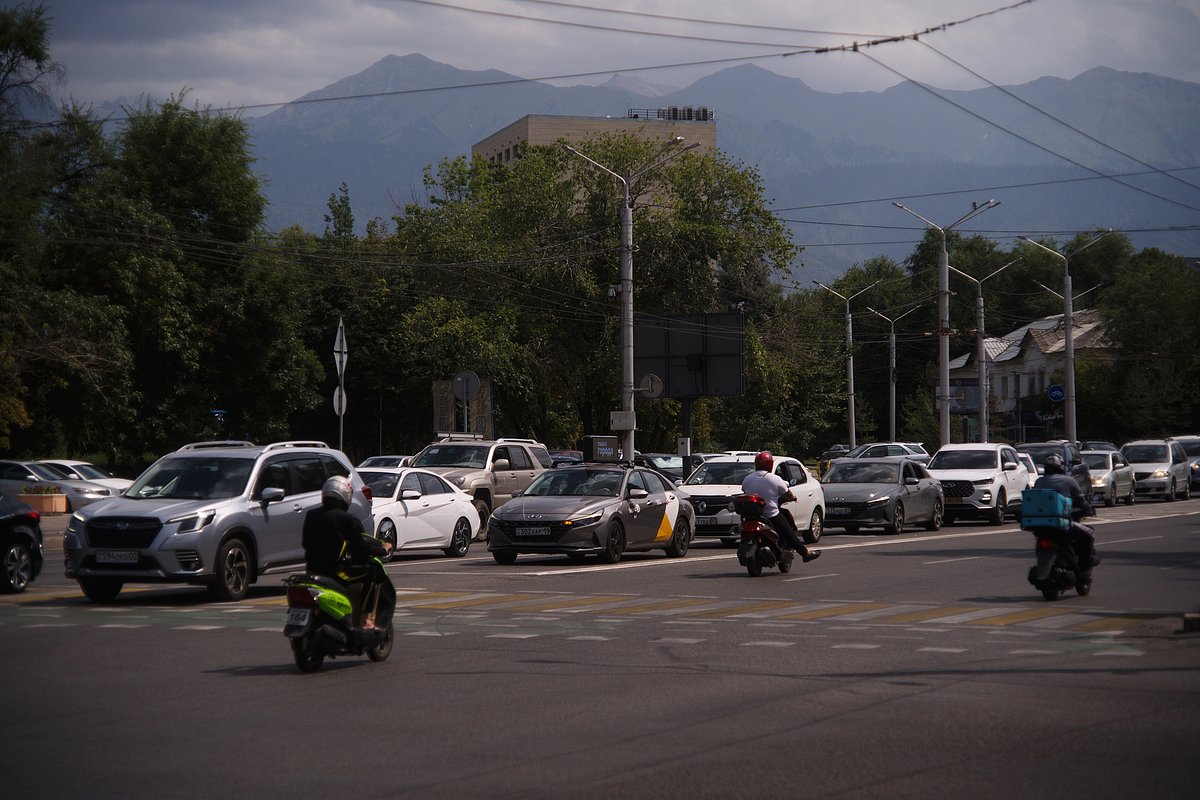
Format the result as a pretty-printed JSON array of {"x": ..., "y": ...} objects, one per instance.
[{"x": 774, "y": 490}]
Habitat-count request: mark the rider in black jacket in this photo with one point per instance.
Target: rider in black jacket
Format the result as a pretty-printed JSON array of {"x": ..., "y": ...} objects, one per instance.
[{"x": 1083, "y": 538}]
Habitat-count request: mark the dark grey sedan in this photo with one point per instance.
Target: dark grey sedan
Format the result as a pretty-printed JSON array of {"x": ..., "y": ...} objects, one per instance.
[
  {"x": 884, "y": 493},
  {"x": 601, "y": 509}
]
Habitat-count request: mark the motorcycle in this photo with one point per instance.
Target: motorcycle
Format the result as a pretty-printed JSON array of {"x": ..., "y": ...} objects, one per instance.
[
  {"x": 759, "y": 546},
  {"x": 321, "y": 620},
  {"x": 1048, "y": 515}
]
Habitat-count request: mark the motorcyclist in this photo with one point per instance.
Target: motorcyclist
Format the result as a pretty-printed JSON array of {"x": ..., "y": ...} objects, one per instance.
[
  {"x": 336, "y": 546},
  {"x": 774, "y": 490},
  {"x": 1083, "y": 539}
]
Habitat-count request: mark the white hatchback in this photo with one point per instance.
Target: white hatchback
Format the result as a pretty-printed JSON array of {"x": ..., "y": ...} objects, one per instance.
[
  {"x": 980, "y": 480},
  {"x": 416, "y": 509},
  {"x": 718, "y": 480}
]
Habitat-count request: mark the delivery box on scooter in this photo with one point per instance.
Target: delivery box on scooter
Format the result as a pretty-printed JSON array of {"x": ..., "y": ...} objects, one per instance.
[{"x": 1045, "y": 508}]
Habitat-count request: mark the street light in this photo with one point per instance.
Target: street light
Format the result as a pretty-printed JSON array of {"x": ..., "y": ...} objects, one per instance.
[
  {"x": 943, "y": 400},
  {"x": 981, "y": 355},
  {"x": 1068, "y": 330},
  {"x": 626, "y": 285},
  {"x": 892, "y": 367},
  {"x": 849, "y": 353}
]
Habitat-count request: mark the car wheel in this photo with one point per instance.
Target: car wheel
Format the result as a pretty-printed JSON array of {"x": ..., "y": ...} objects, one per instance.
[
  {"x": 1170, "y": 495},
  {"x": 101, "y": 590},
  {"x": 504, "y": 557},
  {"x": 1110, "y": 498},
  {"x": 1187, "y": 491},
  {"x": 614, "y": 545},
  {"x": 1130, "y": 499},
  {"x": 387, "y": 537},
  {"x": 897, "y": 525},
  {"x": 681, "y": 539},
  {"x": 997, "y": 515},
  {"x": 935, "y": 518},
  {"x": 816, "y": 526},
  {"x": 233, "y": 572},
  {"x": 485, "y": 511},
  {"x": 460, "y": 540},
  {"x": 18, "y": 566}
]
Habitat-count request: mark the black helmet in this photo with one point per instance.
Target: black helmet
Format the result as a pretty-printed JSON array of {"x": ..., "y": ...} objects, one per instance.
[{"x": 1054, "y": 464}]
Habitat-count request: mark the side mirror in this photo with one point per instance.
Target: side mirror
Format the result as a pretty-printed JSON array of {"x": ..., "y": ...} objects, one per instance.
[
  {"x": 912, "y": 481},
  {"x": 501, "y": 465},
  {"x": 410, "y": 494},
  {"x": 638, "y": 494},
  {"x": 272, "y": 494},
  {"x": 1009, "y": 466},
  {"x": 518, "y": 493}
]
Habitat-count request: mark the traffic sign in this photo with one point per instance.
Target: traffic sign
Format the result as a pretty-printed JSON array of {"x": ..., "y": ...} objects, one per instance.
[
  {"x": 339, "y": 401},
  {"x": 1056, "y": 393}
]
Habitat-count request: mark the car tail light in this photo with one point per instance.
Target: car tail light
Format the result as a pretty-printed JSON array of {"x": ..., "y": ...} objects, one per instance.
[
  {"x": 33, "y": 516},
  {"x": 301, "y": 596},
  {"x": 366, "y": 490}
]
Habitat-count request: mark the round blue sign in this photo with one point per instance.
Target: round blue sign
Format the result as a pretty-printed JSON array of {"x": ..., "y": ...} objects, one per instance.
[{"x": 1056, "y": 393}]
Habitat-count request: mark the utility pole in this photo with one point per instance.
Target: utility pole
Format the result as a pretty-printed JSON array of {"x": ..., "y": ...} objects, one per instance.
[
  {"x": 892, "y": 367},
  {"x": 849, "y": 354}
]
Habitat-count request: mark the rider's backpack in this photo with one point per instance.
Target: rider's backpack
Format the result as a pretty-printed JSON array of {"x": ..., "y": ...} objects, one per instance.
[{"x": 1045, "y": 508}]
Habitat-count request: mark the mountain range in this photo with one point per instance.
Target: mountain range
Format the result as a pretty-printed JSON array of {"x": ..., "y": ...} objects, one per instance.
[{"x": 831, "y": 163}]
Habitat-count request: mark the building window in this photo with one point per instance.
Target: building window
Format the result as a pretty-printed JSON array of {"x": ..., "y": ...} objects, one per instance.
[{"x": 1003, "y": 387}]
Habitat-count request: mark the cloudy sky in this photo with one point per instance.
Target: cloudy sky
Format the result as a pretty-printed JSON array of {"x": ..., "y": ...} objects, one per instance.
[{"x": 233, "y": 53}]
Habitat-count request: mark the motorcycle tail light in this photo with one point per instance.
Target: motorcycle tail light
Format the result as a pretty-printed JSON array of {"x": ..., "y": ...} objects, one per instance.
[
  {"x": 1045, "y": 544},
  {"x": 301, "y": 596}
]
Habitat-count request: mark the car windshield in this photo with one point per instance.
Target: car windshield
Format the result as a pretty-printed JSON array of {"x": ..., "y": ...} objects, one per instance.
[
  {"x": 1039, "y": 454},
  {"x": 194, "y": 478},
  {"x": 576, "y": 482},
  {"x": 863, "y": 473},
  {"x": 964, "y": 459},
  {"x": 727, "y": 473},
  {"x": 858, "y": 451},
  {"x": 666, "y": 462},
  {"x": 453, "y": 455},
  {"x": 383, "y": 484},
  {"x": 89, "y": 472},
  {"x": 918, "y": 449},
  {"x": 1146, "y": 453},
  {"x": 1096, "y": 461},
  {"x": 47, "y": 472},
  {"x": 1192, "y": 448}
]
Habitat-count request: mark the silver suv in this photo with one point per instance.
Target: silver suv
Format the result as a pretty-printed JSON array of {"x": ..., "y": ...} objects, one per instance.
[
  {"x": 489, "y": 471},
  {"x": 218, "y": 514}
]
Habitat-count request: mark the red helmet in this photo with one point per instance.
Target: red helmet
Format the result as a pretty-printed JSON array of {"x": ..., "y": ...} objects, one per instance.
[{"x": 764, "y": 460}]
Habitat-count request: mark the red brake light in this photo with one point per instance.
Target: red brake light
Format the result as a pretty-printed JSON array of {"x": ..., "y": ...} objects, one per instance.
[
  {"x": 366, "y": 490},
  {"x": 301, "y": 596},
  {"x": 33, "y": 516},
  {"x": 1046, "y": 544}
]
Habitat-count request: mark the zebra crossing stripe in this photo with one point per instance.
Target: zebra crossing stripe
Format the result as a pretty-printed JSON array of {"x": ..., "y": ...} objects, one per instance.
[
  {"x": 925, "y": 615},
  {"x": 1027, "y": 615},
  {"x": 835, "y": 611},
  {"x": 478, "y": 601},
  {"x": 563, "y": 602}
]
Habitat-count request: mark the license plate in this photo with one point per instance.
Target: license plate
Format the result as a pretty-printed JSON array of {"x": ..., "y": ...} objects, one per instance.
[
  {"x": 838, "y": 511},
  {"x": 116, "y": 556},
  {"x": 706, "y": 520},
  {"x": 533, "y": 531},
  {"x": 950, "y": 501},
  {"x": 298, "y": 616}
]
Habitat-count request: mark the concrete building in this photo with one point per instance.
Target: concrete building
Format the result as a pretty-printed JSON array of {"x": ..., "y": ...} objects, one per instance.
[
  {"x": 694, "y": 124},
  {"x": 1022, "y": 366}
]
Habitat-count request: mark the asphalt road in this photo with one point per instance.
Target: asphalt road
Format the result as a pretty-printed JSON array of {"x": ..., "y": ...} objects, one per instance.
[{"x": 914, "y": 666}]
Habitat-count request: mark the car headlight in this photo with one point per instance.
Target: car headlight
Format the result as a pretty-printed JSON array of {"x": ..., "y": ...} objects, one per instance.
[
  {"x": 1099, "y": 481},
  {"x": 984, "y": 482},
  {"x": 459, "y": 481},
  {"x": 581, "y": 522},
  {"x": 1159, "y": 473},
  {"x": 883, "y": 498},
  {"x": 193, "y": 522}
]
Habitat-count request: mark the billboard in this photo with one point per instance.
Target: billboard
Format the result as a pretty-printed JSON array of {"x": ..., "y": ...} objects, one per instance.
[{"x": 695, "y": 355}]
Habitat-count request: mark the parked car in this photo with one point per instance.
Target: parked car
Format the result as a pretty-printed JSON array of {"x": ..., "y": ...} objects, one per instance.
[
  {"x": 832, "y": 452},
  {"x": 21, "y": 553},
  {"x": 216, "y": 514},
  {"x": 601, "y": 509},
  {"x": 1112, "y": 477},
  {"x": 416, "y": 509},
  {"x": 1070, "y": 454},
  {"x": 888, "y": 493},
  {"x": 385, "y": 461},
  {"x": 17, "y": 476},
  {"x": 979, "y": 480},
  {"x": 560, "y": 457},
  {"x": 666, "y": 463},
  {"x": 86, "y": 471},
  {"x": 1160, "y": 467},
  {"x": 1191, "y": 447},
  {"x": 909, "y": 450},
  {"x": 489, "y": 471},
  {"x": 714, "y": 484}
]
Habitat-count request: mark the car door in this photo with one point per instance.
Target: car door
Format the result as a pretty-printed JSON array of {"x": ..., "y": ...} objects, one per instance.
[
  {"x": 803, "y": 487},
  {"x": 1180, "y": 466},
  {"x": 413, "y": 513},
  {"x": 444, "y": 508},
  {"x": 918, "y": 502},
  {"x": 662, "y": 496},
  {"x": 13, "y": 476},
  {"x": 517, "y": 475},
  {"x": 1014, "y": 480},
  {"x": 644, "y": 513},
  {"x": 1122, "y": 475},
  {"x": 279, "y": 525}
]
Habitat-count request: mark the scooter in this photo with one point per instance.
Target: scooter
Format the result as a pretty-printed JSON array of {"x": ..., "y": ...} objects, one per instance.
[
  {"x": 759, "y": 546},
  {"x": 1048, "y": 514},
  {"x": 321, "y": 620}
]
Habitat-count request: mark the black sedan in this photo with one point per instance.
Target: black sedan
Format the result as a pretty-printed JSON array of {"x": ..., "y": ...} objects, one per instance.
[
  {"x": 20, "y": 545},
  {"x": 605, "y": 509},
  {"x": 881, "y": 493}
]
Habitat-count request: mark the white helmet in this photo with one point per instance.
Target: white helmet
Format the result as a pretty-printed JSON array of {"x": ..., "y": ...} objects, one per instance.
[{"x": 337, "y": 492}]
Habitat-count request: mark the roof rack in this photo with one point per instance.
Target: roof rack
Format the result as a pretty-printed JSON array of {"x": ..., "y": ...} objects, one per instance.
[
  {"x": 522, "y": 441},
  {"x": 297, "y": 443},
  {"x": 216, "y": 444}
]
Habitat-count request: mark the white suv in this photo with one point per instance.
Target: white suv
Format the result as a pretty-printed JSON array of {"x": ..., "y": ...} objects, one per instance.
[
  {"x": 980, "y": 480},
  {"x": 718, "y": 480},
  {"x": 213, "y": 513}
]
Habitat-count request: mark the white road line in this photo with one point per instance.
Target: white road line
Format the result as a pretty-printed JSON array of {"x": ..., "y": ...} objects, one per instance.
[
  {"x": 811, "y": 577},
  {"x": 1120, "y": 653},
  {"x": 115, "y": 625},
  {"x": 669, "y": 640},
  {"x": 51, "y": 625},
  {"x": 767, "y": 644},
  {"x": 1139, "y": 539},
  {"x": 1033, "y": 652},
  {"x": 198, "y": 628},
  {"x": 941, "y": 650},
  {"x": 512, "y": 635},
  {"x": 589, "y": 639},
  {"x": 857, "y": 646},
  {"x": 267, "y": 630},
  {"x": 431, "y": 633},
  {"x": 952, "y": 560}
]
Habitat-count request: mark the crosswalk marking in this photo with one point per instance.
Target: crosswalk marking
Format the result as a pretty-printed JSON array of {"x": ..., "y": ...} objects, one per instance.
[
  {"x": 1021, "y": 616},
  {"x": 835, "y": 611}
]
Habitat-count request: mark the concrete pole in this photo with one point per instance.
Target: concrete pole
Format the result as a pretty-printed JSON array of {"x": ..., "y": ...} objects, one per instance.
[
  {"x": 627, "y": 320},
  {"x": 850, "y": 372},
  {"x": 981, "y": 367}
]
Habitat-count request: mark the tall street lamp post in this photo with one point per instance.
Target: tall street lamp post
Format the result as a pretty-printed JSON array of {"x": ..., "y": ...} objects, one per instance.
[
  {"x": 892, "y": 367},
  {"x": 849, "y": 355},
  {"x": 627, "y": 419},
  {"x": 981, "y": 354},
  {"x": 943, "y": 399},
  {"x": 1068, "y": 332}
]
